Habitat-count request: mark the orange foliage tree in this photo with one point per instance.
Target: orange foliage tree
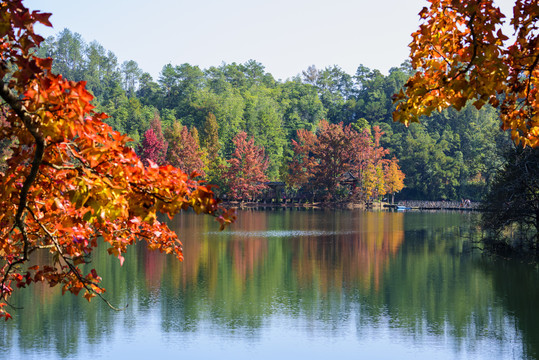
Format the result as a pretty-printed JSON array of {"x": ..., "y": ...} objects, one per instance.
[
  {"x": 303, "y": 164},
  {"x": 461, "y": 53},
  {"x": 184, "y": 151},
  {"x": 246, "y": 172},
  {"x": 71, "y": 180}
]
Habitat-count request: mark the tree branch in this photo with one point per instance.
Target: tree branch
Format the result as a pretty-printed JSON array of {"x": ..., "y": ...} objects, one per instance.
[
  {"x": 13, "y": 101},
  {"x": 72, "y": 268}
]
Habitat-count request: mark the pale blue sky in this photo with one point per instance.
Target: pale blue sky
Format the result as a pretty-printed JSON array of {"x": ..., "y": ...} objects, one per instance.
[{"x": 286, "y": 36}]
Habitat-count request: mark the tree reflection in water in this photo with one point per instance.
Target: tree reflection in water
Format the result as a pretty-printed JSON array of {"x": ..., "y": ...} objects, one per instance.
[{"x": 319, "y": 272}]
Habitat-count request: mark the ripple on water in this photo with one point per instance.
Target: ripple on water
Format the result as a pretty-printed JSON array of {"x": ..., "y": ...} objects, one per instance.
[{"x": 280, "y": 233}]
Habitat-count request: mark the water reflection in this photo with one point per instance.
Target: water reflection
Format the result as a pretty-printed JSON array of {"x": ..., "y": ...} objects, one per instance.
[{"x": 390, "y": 284}]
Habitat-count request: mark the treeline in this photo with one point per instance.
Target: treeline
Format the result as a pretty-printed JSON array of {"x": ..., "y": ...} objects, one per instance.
[{"x": 209, "y": 112}]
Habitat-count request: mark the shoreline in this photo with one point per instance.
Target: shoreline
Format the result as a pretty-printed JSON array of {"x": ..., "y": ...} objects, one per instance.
[{"x": 380, "y": 206}]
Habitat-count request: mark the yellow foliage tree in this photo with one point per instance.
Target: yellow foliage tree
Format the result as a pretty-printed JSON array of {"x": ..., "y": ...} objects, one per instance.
[{"x": 394, "y": 178}]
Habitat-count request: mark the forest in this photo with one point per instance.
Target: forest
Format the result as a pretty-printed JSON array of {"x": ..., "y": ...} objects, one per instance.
[{"x": 219, "y": 121}]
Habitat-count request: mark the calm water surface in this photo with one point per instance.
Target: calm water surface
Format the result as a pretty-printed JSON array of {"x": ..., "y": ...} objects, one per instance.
[{"x": 294, "y": 284}]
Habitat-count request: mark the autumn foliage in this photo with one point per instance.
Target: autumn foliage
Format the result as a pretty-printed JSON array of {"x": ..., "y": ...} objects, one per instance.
[
  {"x": 184, "y": 151},
  {"x": 245, "y": 174},
  {"x": 71, "y": 182},
  {"x": 393, "y": 177},
  {"x": 154, "y": 146},
  {"x": 461, "y": 53},
  {"x": 338, "y": 157}
]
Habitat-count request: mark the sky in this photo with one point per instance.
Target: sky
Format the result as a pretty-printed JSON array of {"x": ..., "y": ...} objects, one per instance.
[{"x": 286, "y": 36}]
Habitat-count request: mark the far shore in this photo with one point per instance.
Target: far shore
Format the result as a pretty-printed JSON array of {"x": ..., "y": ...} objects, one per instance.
[{"x": 399, "y": 205}]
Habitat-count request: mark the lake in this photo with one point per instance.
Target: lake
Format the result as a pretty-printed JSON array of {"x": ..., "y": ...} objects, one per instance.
[{"x": 285, "y": 284}]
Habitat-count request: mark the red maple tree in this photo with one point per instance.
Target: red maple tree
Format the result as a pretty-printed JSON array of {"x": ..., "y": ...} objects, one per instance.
[
  {"x": 184, "y": 151},
  {"x": 245, "y": 175},
  {"x": 154, "y": 146},
  {"x": 338, "y": 154}
]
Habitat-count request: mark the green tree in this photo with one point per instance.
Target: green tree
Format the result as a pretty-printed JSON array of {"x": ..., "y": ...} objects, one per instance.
[
  {"x": 264, "y": 121},
  {"x": 68, "y": 51},
  {"x": 512, "y": 203},
  {"x": 131, "y": 74},
  {"x": 336, "y": 90},
  {"x": 301, "y": 106}
]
